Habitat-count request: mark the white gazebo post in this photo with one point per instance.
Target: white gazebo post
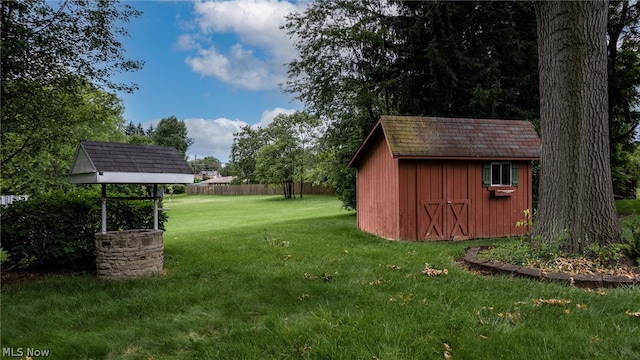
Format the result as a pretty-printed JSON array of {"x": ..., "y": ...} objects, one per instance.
[
  {"x": 155, "y": 206},
  {"x": 104, "y": 208}
]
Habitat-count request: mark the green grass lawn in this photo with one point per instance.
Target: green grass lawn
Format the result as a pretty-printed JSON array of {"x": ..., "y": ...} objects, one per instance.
[
  {"x": 629, "y": 206},
  {"x": 260, "y": 277}
]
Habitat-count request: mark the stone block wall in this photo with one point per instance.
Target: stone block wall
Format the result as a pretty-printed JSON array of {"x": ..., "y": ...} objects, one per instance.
[{"x": 128, "y": 254}]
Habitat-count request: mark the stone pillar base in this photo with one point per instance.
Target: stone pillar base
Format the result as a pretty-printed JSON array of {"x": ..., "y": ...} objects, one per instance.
[{"x": 128, "y": 254}]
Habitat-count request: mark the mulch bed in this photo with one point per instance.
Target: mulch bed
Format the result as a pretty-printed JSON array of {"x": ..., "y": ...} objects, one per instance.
[{"x": 575, "y": 272}]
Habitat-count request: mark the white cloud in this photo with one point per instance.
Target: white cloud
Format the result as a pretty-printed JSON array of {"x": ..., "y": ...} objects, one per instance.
[
  {"x": 213, "y": 137},
  {"x": 256, "y": 60},
  {"x": 239, "y": 68},
  {"x": 268, "y": 116},
  {"x": 187, "y": 42}
]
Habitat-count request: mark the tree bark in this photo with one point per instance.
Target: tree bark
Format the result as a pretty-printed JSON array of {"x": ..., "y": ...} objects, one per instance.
[{"x": 576, "y": 205}]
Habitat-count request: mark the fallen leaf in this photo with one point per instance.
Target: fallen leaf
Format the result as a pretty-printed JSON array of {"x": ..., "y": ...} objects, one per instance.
[
  {"x": 634, "y": 314},
  {"x": 561, "y": 302},
  {"x": 429, "y": 271},
  {"x": 447, "y": 351}
]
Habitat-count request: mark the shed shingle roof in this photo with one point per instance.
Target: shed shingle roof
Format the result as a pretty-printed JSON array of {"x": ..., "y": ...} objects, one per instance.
[{"x": 454, "y": 138}]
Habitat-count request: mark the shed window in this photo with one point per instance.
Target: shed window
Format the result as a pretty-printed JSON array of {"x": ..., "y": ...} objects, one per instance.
[{"x": 500, "y": 174}]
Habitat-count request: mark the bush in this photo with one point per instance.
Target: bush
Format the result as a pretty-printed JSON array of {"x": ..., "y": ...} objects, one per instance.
[
  {"x": 176, "y": 189},
  {"x": 631, "y": 229},
  {"x": 55, "y": 231}
]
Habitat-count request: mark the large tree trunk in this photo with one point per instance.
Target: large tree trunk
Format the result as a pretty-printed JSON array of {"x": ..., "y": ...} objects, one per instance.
[{"x": 576, "y": 196}]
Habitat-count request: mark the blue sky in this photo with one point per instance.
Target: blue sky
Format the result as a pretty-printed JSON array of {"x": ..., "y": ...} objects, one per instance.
[{"x": 214, "y": 64}]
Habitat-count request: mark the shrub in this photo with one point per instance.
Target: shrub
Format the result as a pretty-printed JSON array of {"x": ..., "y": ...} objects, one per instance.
[
  {"x": 3, "y": 256},
  {"x": 55, "y": 231},
  {"x": 631, "y": 229},
  {"x": 176, "y": 189},
  {"x": 516, "y": 252}
]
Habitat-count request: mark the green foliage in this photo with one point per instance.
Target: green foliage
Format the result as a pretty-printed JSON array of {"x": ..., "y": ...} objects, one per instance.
[
  {"x": 208, "y": 163},
  {"x": 549, "y": 249},
  {"x": 524, "y": 251},
  {"x": 631, "y": 230},
  {"x": 172, "y": 132},
  {"x": 38, "y": 150},
  {"x": 517, "y": 252},
  {"x": 57, "y": 59},
  {"x": 3, "y": 256},
  {"x": 279, "y": 154},
  {"x": 624, "y": 90},
  {"x": 359, "y": 60},
  {"x": 51, "y": 43},
  {"x": 286, "y": 154},
  {"x": 176, "y": 189},
  {"x": 607, "y": 255},
  {"x": 55, "y": 231},
  {"x": 242, "y": 162}
]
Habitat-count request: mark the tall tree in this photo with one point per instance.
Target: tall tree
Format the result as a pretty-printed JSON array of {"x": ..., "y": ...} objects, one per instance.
[
  {"x": 172, "y": 132},
  {"x": 53, "y": 54},
  {"x": 305, "y": 130},
  {"x": 89, "y": 113},
  {"x": 575, "y": 197},
  {"x": 623, "y": 51},
  {"x": 361, "y": 59},
  {"x": 207, "y": 163},
  {"x": 242, "y": 162},
  {"x": 286, "y": 155}
]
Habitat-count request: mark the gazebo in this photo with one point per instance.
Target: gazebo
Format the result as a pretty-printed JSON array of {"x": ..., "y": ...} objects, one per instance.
[{"x": 135, "y": 252}]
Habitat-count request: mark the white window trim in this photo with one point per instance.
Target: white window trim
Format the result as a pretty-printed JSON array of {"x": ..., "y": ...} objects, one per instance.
[{"x": 510, "y": 174}]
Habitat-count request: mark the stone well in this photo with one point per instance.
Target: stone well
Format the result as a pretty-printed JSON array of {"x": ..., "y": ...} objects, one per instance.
[{"x": 128, "y": 254}]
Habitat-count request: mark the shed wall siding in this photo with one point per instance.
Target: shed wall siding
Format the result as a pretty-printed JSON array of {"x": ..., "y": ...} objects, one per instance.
[
  {"x": 377, "y": 192},
  {"x": 436, "y": 189},
  {"x": 497, "y": 216}
]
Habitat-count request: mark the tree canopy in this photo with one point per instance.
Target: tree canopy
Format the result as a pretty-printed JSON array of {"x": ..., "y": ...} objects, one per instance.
[
  {"x": 242, "y": 160},
  {"x": 279, "y": 154},
  {"x": 623, "y": 50},
  {"x": 58, "y": 59},
  {"x": 172, "y": 132},
  {"x": 361, "y": 59}
]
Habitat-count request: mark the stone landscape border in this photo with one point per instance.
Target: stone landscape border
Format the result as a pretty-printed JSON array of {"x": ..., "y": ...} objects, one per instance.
[{"x": 592, "y": 281}]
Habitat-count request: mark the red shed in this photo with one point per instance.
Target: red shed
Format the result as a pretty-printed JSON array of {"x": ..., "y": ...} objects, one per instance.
[{"x": 429, "y": 178}]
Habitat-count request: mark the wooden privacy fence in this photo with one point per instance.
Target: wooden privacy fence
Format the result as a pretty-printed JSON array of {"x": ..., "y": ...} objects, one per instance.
[{"x": 255, "y": 189}]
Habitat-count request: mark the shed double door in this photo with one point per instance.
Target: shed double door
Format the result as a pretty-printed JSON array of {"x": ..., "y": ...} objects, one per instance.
[{"x": 443, "y": 201}]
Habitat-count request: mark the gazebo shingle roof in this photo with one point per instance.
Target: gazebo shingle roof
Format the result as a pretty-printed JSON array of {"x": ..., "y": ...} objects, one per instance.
[{"x": 135, "y": 163}]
